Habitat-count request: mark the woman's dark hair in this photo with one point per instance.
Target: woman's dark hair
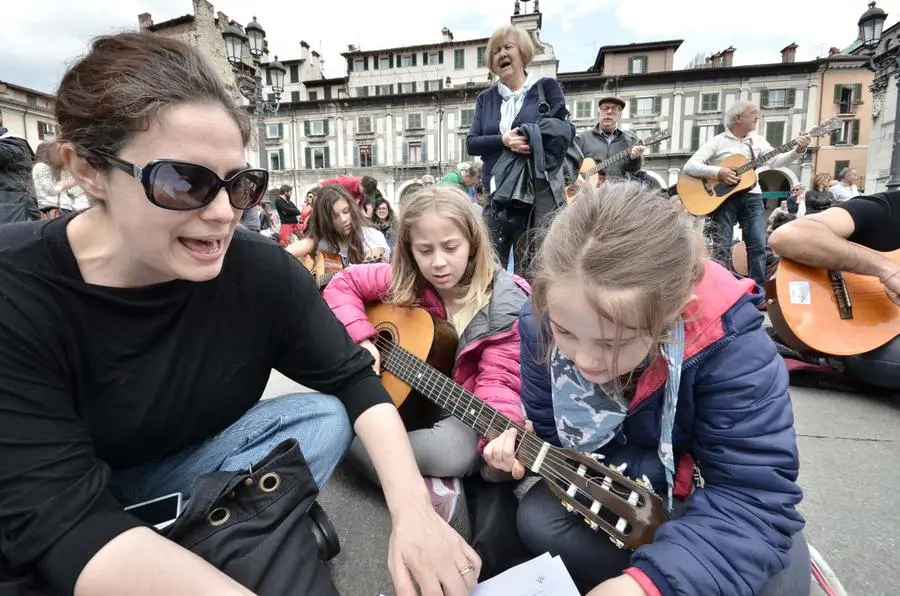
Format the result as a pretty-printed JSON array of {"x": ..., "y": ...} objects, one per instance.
[
  {"x": 321, "y": 227},
  {"x": 369, "y": 186},
  {"x": 122, "y": 85},
  {"x": 391, "y": 218}
]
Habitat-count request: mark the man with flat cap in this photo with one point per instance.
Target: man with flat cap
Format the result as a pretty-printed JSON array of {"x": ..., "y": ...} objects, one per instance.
[{"x": 607, "y": 139}]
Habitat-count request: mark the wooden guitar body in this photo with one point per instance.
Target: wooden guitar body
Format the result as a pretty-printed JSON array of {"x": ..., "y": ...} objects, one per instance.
[
  {"x": 815, "y": 311},
  {"x": 702, "y": 196},
  {"x": 592, "y": 179}
]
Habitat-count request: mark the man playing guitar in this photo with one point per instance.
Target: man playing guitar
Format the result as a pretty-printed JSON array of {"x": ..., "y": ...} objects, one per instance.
[
  {"x": 606, "y": 139},
  {"x": 848, "y": 237},
  {"x": 747, "y": 207}
]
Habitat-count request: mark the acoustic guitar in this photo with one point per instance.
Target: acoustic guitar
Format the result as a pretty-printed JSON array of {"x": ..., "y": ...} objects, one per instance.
[
  {"x": 417, "y": 352},
  {"x": 702, "y": 196},
  {"x": 594, "y": 173},
  {"x": 817, "y": 311},
  {"x": 326, "y": 265}
]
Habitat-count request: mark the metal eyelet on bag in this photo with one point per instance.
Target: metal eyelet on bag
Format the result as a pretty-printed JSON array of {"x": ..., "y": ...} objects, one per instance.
[
  {"x": 270, "y": 482},
  {"x": 218, "y": 516}
]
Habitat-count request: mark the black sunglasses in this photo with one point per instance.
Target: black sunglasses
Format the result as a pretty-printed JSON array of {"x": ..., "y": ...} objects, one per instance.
[{"x": 184, "y": 186}]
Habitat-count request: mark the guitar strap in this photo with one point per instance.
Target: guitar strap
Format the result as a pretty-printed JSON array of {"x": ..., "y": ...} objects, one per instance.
[{"x": 752, "y": 152}]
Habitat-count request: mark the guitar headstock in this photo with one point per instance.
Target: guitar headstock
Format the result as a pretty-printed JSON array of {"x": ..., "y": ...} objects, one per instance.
[
  {"x": 657, "y": 137},
  {"x": 626, "y": 510},
  {"x": 827, "y": 127}
]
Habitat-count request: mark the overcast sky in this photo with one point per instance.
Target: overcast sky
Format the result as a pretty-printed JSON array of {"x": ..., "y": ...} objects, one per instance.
[{"x": 40, "y": 37}]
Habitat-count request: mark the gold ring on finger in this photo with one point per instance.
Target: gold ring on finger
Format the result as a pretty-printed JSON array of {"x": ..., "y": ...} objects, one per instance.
[{"x": 466, "y": 569}]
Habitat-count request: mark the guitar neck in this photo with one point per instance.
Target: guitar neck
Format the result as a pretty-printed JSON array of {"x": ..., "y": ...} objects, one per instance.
[
  {"x": 606, "y": 163},
  {"x": 764, "y": 157},
  {"x": 464, "y": 406}
]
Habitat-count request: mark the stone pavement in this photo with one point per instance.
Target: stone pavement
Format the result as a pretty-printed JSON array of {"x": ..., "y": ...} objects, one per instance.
[{"x": 850, "y": 460}]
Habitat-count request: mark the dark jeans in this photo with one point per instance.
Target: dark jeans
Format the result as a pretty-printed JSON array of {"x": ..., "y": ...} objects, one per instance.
[
  {"x": 526, "y": 239},
  {"x": 748, "y": 210},
  {"x": 590, "y": 557},
  {"x": 880, "y": 367}
]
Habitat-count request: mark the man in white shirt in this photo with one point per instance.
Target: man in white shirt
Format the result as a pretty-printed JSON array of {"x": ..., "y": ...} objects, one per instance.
[
  {"x": 746, "y": 207},
  {"x": 845, "y": 188}
]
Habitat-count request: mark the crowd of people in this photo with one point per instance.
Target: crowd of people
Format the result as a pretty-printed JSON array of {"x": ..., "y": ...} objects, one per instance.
[{"x": 138, "y": 332}]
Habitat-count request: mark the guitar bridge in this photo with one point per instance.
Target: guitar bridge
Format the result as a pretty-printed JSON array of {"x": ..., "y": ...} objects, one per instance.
[{"x": 841, "y": 294}]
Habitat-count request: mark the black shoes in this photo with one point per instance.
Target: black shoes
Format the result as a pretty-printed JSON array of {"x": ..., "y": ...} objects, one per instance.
[{"x": 326, "y": 536}]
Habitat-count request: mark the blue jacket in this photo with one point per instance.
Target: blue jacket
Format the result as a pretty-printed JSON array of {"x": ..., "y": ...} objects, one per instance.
[
  {"x": 484, "y": 138},
  {"x": 734, "y": 422}
]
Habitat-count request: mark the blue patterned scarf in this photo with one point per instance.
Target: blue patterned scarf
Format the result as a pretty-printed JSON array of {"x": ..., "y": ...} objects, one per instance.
[{"x": 588, "y": 415}]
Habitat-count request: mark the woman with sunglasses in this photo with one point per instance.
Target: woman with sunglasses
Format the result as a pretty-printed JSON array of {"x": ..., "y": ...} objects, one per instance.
[{"x": 137, "y": 337}]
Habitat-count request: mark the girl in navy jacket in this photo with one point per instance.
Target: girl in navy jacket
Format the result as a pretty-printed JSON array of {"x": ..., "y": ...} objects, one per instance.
[{"x": 638, "y": 349}]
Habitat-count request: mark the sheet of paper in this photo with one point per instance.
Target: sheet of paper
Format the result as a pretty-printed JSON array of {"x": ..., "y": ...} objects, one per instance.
[{"x": 541, "y": 576}]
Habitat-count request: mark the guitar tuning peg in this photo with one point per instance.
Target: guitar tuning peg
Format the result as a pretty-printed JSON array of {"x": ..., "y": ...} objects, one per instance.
[{"x": 568, "y": 507}]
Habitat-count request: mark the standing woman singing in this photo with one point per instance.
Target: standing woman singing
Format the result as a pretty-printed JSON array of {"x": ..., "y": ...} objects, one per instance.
[
  {"x": 515, "y": 100},
  {"x": 137, "y": 337}
]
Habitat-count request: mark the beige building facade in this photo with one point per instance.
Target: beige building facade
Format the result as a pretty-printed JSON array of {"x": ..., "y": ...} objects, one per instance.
[{"x": 27, "y": 113}]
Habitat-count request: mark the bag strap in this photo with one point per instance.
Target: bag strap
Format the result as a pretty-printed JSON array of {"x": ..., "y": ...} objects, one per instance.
[{"x": 543, "y": 106}]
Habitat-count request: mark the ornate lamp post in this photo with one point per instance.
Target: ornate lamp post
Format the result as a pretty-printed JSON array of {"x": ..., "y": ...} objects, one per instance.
[
  {"x": 252, "y": 87},
  {"x": 885, "y": 65}
]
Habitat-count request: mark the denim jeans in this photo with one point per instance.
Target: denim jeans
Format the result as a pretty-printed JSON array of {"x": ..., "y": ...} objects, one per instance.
[
  {"x": 748, "y": 210},
  {"x": 880, "y": 367},
  {"x": 545, "y": 526},
  {"x": 318, "y": 422}
]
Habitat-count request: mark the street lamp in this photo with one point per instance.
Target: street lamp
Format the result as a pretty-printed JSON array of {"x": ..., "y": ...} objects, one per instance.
[
  {"x": 884, "y": 65},
  {"x": 253, "y": 39}
]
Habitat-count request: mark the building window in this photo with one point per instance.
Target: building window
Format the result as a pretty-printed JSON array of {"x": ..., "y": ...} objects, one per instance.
[
  {"x": 295, "y": 96},
  {"x": 480, "y": 61},
  {"x": 276, "y": 159},
  {"x": 778, "y": 98},
  {"x": 360, "y": 64},
  {"x": 775, "y": 133},
  {"x": 316, "y": 128},
  {"x": 46, "y": 130},
  {"x": 327, "y": 92},
  {"x": 407, "y": 87},
  {"x": 295, "y": 73},
  {"x": 645, "y": 106},
  {"x": 408, "y": 60},
  {"x": 459, "y": 59},
  {"x": 362, "y": 91},
  {"x": 414, "y": 152},
  {"x": 414, "y": 121},
  {"x": 274, "y": 131},
  {"x": 384, "y": 62},
  {"x": 364, "y": 124},
  {"x": 433, "y": 85},
  {"x": 464, "y": 151},
  {"x": 840, "y": 165},
  {"x": 584, "y": 109},
  {"x": 637, "y": 65},
  {"x": 313, "y": 96},
  {"x": 645, "y": 133},
  {"x": 384, "y": 90},
  {"x": 465, "y": 117},
  {"x": 365, "y": 156},
  {"x": 709, "y": 102},
  {"x": 847, "y": 135},
  {"x": 847, "y": 97},
  {"x": 434, "y": 58},
  {"x": 703, "y": 133},
  {"x": 318, "y": 158}
]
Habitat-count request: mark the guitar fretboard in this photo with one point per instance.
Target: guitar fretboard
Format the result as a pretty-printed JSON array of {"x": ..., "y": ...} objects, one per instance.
[
  {"x": 464, "y": 406},
  {"x": 764, "y": 157}
]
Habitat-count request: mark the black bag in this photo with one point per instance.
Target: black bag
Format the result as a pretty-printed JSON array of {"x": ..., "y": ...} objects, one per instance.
[{"x": 263, "y": 535}]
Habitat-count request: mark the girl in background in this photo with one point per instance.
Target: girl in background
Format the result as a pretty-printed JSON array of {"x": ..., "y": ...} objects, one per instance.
[
  {"x": 385, "y": 221},
  {"x": 444, "y": 263},
  {"x": 639, "y": 349}
]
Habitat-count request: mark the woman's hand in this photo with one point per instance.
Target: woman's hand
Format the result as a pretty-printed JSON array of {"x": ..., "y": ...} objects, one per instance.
[
  {"x": 516, "y": 142},
  {"x": 367, "y": 344},
  {"x": 623, "y": 585},
  {"x": 500, "y": 454}
]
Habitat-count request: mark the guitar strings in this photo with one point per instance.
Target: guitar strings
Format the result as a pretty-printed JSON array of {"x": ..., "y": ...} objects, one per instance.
[{"x": 528, "y": 442}]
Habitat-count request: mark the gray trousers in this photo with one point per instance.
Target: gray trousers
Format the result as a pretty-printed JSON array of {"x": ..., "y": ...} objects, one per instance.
[{"x": 449, "y": 449}]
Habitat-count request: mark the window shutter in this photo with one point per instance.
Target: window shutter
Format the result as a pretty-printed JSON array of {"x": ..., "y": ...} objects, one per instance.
[
  {"x": 425, "y": 150},
  {"x": 857, "y": 93},
  {"x": 295, "y": 96},
  {"x": 366, "y": 63},
  {"x": 424, "y": 58},
  {"x": 280, "y": 130},
  {"x": 327, "y": 92},
  {"x": 657, "y": 105},
  {"x": 631, "y": 66},
  {"x": 440, "y": 83},
  {"x": 327, "y": 157},
  {"x": 414, "y": 87},
  {"x": 644, "y": 64},
  {"x": 632, "y": 107},
  {"x": 414, "y": 59},
  {"x": 791, "y": 97},
  {"x": 405, "y": 153},
  {"x": 377, "y": 90},
  {"x": 295, "y": 74},
  {"x": 306, "y": 128},
  {"x": 764, "y": 98},
  {"x": 350, "y": 64},
  {"x": 720, "y": 128},
  {"x": 375, "y": 154},
  {"x": 325, "y": 127},
  {"x": 376, "y": 62},
  {"x": 441, "y": 57},
  {"x": 835, "y": 137},
  {"x": 271, "y": 98},
  {"x": 309, "y": 162},
  {"x": 268, "y": 77},
  {"x": 854, "y": 134},
  {"x": 356, "y": 156},
  {"x": 695, "y": 138},
  {"x": 837, "y": 93},
  {"x": 281, "y": 158}
]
